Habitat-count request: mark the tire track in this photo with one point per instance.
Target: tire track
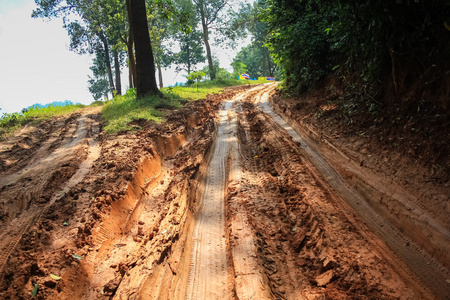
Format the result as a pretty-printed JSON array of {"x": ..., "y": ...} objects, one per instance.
[
  {"x": 13, "y": 233},
  {"x": 208, "y": 277},
  {"x": 432, "y": 274}
]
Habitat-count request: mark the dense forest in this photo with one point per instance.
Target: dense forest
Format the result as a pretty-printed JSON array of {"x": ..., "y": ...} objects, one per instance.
[
  {"x": 387, "y": 51},
  {"x": 392, "y": 50}
]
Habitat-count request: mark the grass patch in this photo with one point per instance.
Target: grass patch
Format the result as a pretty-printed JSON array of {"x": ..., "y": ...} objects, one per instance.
[
  {"x": 34, "y": 115},
  {"x": 119, "y": 113},
  {"x": 190, "y": 93}
]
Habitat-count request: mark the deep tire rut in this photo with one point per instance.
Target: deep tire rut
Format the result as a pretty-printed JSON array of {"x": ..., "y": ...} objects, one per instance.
[{"x": 208, "y": 278}]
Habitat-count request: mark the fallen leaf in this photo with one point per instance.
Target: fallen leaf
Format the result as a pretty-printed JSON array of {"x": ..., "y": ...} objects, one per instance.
[
  {"x": 79, "y": 257},
  {"x": 55, "y": 277},
  {"x": 35, "y": 290}
]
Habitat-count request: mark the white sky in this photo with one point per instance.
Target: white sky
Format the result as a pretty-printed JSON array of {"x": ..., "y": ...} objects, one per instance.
[{"x": 36, "y": 65}]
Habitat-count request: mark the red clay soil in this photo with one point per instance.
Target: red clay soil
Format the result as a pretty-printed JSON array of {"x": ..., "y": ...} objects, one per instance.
[
  {"x": 407, "y": 145},
  {"x": 85, "y": 215}
]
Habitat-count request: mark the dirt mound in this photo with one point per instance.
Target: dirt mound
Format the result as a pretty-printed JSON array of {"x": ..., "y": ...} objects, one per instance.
[{"x": 409, "y": 192}]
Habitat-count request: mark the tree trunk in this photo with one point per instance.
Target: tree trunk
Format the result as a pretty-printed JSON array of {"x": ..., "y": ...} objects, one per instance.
[
  {"x": 131, "y": 63},
  {"x": 212, "y": 70},
  {"x": 188, "y": 52},
  {"x": 161, "y": 84},
  {"x": 264, "y": 65},
  {"x": 269, "y": 64},
  {"x": 107, "y": 60},
  {"x": 145, "y": 64},
  {"x": 117, "y": 70},
  {"x": 131, "y": 60}
]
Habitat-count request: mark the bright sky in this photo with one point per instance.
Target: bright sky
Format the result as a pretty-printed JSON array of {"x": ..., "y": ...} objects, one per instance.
[{"x": 36, "y": 65}]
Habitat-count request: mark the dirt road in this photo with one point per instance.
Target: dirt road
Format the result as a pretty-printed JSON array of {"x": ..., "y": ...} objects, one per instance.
[{"x": 224, "y": 200}]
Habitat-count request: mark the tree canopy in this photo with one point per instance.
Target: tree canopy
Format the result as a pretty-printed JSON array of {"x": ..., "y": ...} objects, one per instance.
[{"x": 372, "y": 40}]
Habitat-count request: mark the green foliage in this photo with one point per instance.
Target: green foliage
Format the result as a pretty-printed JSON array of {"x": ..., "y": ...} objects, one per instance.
[
  {"x": 238, "y": 68},
  {"x": 35, "y": 290},
  {"x": 119, "y": 113},
  {"x": 191, "y": 50},
  {"x": 196, "y": 76},
  {"x": 189, "y": 93},
  {"x": 256, "y": 56},
  {"x": 223, "y": 74},
  {"x": 313, "y": 39},
  {"x": 11, "y": 122},
  {"x": 256, "y": 61}
]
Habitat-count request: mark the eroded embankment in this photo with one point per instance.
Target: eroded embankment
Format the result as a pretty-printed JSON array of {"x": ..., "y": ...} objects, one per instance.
[
  {"x": 387, "y": 208},
  {"x": 420, "y": 218},
  {"x": 290, "y": 236}
]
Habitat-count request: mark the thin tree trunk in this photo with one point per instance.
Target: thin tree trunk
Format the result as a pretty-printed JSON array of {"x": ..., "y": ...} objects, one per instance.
[
  {"x": 188, "y": 52},
  {"x": 131, "y": 60},
  {"x": 269, "y": 62},
  {"x": 161, "y": 84},
  {"x": 130, "y": 77},
  {"x": 117, "y": 69},
  {"x": 108, "y": 61},
  {"x": 212, "y": 71},
  {"x": 264, "y": 65},
  {"x": 145, "y": 64},
  {"x": 131, "y": 63}
]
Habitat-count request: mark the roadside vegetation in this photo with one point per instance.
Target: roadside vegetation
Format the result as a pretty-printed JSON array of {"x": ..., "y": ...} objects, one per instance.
[
  {"x": 122, "y": 112},
  {"x": 126, "y": 113},
  {"x": 34, "y": 115}
]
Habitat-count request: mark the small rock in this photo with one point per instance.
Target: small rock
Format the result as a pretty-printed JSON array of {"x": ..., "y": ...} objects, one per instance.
[
  {"x": 325, "y": 278},
  {"x": 329, "y": 263}
]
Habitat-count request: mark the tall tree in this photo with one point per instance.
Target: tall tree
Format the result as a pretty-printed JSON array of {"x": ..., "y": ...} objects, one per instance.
[
  {"x": 145, "y": 64},
  {"x": 98, "y": 84},
  {"x": 89, "y": 28},
  {"x": 191, "y": 52},
  {"x": 160, "y": 25},
  {"x": 188, "y": 36},
  {"x": 209, "y": 12}
]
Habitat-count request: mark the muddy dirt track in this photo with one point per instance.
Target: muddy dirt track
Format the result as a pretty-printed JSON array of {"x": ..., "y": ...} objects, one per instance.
[{"x": 223, "y": 200}]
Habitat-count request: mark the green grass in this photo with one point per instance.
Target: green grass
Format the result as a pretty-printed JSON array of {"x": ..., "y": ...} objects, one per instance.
[
  {"x": 118, "y": 114},
  {"x": 34, "y": 115},
  {"x": 190, "y": 92}
]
